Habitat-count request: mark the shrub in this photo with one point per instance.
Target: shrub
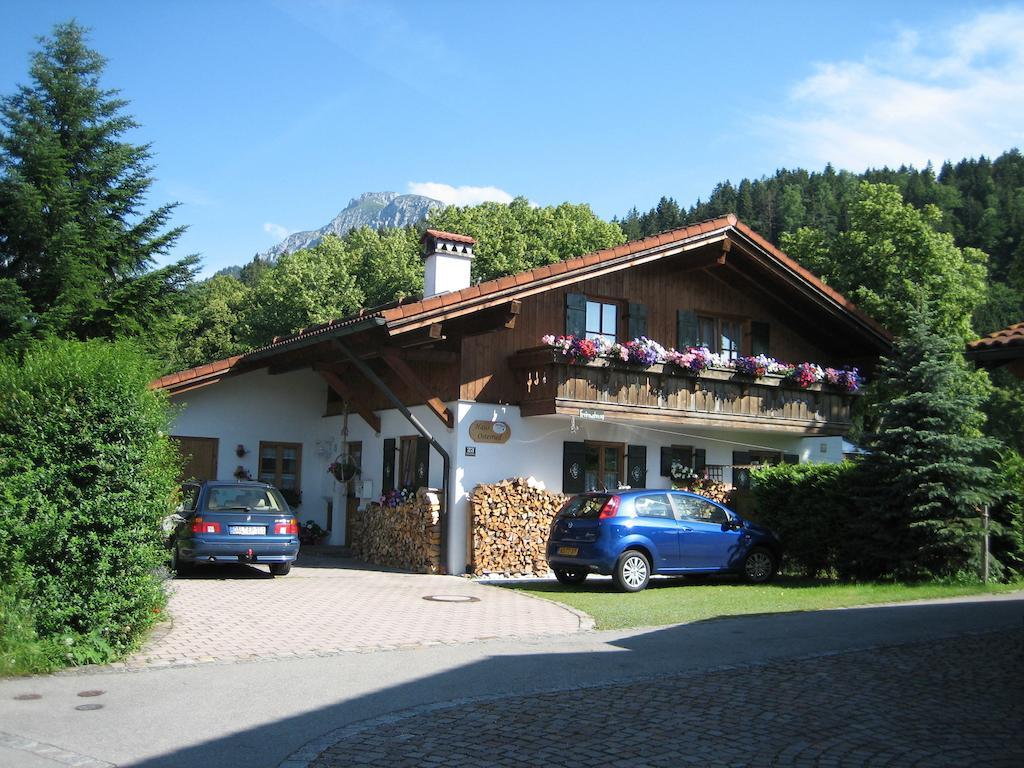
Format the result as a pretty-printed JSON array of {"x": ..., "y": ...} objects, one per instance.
[
  {"x": 806, "y": 505},
  {"x": 86, "y": 475},
  {"x": 1007, "y": 518}
]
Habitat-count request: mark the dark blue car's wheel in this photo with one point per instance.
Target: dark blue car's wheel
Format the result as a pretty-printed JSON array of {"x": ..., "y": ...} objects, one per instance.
[
  {"x": 758, "y": 566},
  {"x": 179, "y": 566},
  {"x": 280, "y": 569},
  {"x": 632, "y": 571},
  {"x": 570, "y": 578}
]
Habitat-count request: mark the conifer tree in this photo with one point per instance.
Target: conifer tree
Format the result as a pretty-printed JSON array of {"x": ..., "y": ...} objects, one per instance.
[
  {"x": 73, "y": 236},
  {"x": 927, "y": 473}
]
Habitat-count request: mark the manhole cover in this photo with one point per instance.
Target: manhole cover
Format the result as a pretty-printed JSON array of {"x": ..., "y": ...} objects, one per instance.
[
  {"x": 88, "y": 707},
  {"x": 28, "y": 696},
  {"x": 90, "y": 694},
  {"x": 452, "y": 598}
]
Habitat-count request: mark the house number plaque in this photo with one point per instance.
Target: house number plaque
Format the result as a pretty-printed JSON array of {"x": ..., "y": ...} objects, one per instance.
[{"x": 490, "y": 432}]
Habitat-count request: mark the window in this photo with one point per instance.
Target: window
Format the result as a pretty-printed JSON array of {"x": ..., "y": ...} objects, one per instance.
[
  {"x": 407, "y": 462},
  {"x": 603, "y": 466},
  {"x": 280, "y": 465},
  {"x": 243, "y": 497},
  {"x": 189, "y": 493},
  {"x": 602, "y": 320},
  {"x": 721, "y": 335},
  {"x": 653, "y": 505},
  {"x": 698, "y": 510}
]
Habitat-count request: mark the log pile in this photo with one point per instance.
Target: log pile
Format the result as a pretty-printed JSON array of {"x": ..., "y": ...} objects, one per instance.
[
  {"x": 510, "y": 527},
  {"x": 407, "y": 536}
]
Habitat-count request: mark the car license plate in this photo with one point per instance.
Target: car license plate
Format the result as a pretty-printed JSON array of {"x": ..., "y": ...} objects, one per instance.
[
  {"x": 247, "y": 530},
  {"x": 569, "y": 551}
]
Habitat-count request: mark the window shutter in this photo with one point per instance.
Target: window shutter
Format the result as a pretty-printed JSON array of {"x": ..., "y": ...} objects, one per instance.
[
  {"x": 700, "y": 460},
  {"x": 758, "y": 338},
  {"x": 574, "y": 456},
  {"x": 686, "y": 327},
  {"x": 575, "y": 314},
  {"x": 636, "y": 466},
  {"x": 388, "y": 480},
  {"x": 790, "y": 458},
  {"x": 741, "y": 477},
  {"x": 637, "y": 321},
  {"x": 422, "y": 463},
  {"x": 666, "y": 461}
]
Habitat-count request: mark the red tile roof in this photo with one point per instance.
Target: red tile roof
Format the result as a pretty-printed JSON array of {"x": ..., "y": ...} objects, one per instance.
[
  {"x": 403, "y": 314},
  {"x": 453, "y": 236},
  {"x": 1007, "y": 337}
]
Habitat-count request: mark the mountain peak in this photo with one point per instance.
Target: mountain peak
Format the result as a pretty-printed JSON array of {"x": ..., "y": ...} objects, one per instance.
[{"x": 376, "y": 210}]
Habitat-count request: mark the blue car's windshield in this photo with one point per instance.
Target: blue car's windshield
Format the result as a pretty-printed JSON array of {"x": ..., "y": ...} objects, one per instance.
[{"x": 583, "y": 506}]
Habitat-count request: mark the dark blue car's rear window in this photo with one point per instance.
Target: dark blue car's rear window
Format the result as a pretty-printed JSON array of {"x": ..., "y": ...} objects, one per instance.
[{"x": 583, "y": 506}]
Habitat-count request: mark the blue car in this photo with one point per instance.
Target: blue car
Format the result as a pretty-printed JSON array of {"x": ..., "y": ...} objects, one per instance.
[
  {"x": 636, "y": 533},
  {"x": 244, "y": 522}
]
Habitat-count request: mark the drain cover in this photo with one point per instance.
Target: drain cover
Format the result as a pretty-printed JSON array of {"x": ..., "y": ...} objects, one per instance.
[
  {"x": 28, "y": 696},
  {"x": 88, "y": 707},
  {"x": 89, "y": 694},
  {"x": 452, "y": 598}
]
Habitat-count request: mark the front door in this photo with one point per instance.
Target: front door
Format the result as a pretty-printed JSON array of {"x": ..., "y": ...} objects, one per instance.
[
  {"x": 200, "y": 455},
  {"x": 705, "y": 541}
]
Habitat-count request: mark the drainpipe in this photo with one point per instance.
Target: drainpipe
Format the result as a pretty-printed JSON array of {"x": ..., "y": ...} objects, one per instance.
[{"x": 418, "y": 426}]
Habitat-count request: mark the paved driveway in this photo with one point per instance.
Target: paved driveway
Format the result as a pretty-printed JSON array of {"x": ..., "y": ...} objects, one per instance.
[{"x": 328, "y": 605}]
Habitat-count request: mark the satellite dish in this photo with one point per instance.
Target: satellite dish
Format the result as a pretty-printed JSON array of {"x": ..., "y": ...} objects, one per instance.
[{"x": 343, "y": 468}]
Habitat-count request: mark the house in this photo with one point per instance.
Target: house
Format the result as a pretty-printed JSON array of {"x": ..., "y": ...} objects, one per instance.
[
  {"x": 457, "y": 388},
  {"x": 1001, "y": 348}
]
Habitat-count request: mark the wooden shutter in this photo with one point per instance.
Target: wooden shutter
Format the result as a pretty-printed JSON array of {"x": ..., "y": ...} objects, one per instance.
[
  {"x": 686, "y": 329},
  {"x": 666, "y": 461},
  {"x": 758, "y": 338},
  {"x": 637, "y": 325},
  {"x": 575, "y": 314},
  {"x": 387, "y": 482},
  {"x": 574, "y": 458},
  {"x": 700, "y": 460},
  {"x": 422, "y": 471},
  {"x": 741, "y": 477},
  {"x": 636, "y": 466}
]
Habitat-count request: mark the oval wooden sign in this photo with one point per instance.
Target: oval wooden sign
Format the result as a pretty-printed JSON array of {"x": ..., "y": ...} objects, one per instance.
[{"x": 490, "y": 432}]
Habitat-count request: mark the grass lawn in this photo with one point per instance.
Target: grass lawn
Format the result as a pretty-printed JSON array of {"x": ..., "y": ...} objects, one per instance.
[{"x": 676, "y": 600}]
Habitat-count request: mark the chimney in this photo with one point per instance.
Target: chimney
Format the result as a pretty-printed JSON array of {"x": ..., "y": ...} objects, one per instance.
[{"x": 447, "y": 258}]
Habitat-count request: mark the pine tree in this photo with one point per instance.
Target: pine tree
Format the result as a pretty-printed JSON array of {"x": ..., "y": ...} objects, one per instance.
[
  {"x": 926, "y": 477},
  {"x": 73, "y": 237}
]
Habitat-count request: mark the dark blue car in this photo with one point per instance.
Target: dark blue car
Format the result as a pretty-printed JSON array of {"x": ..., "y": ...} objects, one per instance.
[
  {"x": 246, "y": 522},
  {"x": 636, "y": 533}
]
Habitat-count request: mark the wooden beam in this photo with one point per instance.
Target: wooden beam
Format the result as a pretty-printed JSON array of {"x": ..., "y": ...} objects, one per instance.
[
  {"x": 335, "y": 382},
  {"x": 401, "y": 368}
]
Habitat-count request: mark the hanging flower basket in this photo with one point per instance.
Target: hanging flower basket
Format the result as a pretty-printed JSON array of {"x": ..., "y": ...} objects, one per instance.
[{"x": 343, "y": 469}]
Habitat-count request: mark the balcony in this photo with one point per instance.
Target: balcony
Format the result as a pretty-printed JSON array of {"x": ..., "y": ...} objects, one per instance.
[{"x": 663, "y": 393}]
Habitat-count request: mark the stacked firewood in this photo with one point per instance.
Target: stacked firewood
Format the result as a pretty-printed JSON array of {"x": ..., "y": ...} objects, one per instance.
[
  {"x": 511, "y": 520},
  {"x": 407, "y": 536},
  {"x": 712, "y": 489}
]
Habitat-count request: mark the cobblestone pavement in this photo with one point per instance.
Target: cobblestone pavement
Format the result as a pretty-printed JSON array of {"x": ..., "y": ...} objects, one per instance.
[
  {"x": 233, "y": 613},
  {"x": 948, "y": 703}
]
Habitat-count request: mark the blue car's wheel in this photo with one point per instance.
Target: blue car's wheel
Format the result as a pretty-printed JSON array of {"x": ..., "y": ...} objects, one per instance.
[
  {"x": 758, "y": 566},
  {"x": 280, "y": 569},
  {"x": 632, "y": 571},
  {"x": 179, "y": 566}
]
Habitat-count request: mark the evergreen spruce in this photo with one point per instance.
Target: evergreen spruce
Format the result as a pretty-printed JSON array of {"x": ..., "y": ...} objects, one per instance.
[
  {"x": 73, "y": 237},
  {"x": 926, "y": 477}
]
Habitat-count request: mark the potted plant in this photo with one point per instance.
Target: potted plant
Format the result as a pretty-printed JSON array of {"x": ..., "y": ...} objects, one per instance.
[{"x": 310, "y": 533}]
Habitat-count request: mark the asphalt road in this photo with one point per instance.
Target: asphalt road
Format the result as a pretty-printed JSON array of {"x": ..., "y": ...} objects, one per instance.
[{"x": 259, "y": 713}]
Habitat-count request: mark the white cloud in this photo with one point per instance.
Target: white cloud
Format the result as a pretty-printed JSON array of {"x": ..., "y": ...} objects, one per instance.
[
  {"x": 924, "y": 96},
  {"x": 450, "y": 195},
  {"x": 275, "y": 230}
]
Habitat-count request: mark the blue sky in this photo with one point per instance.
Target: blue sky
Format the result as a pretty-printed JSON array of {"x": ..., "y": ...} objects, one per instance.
[{"x": 267, "y": 117}]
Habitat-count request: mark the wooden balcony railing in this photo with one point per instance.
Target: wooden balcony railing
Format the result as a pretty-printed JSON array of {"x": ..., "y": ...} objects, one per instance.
[{"x": 717, "y": 398}]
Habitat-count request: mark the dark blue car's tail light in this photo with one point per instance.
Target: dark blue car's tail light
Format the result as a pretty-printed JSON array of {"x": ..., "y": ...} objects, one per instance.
[
  {"x": 610, "y": 508},
  {"x": 204, "y": 526},
  {"x": 287, "y": 527}
]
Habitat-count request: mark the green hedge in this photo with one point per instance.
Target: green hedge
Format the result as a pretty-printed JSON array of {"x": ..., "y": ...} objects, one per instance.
[
  {"x": 808, "y": 506},
  {"x": 86, "y": 474}
]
